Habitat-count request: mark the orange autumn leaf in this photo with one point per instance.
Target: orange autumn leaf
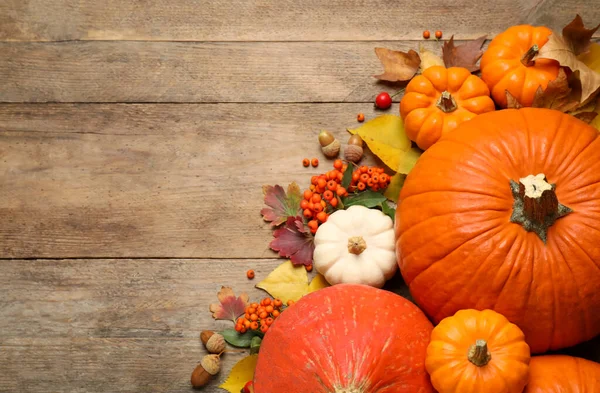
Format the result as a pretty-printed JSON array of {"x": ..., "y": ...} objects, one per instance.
[{"x": 397, "y": 65}]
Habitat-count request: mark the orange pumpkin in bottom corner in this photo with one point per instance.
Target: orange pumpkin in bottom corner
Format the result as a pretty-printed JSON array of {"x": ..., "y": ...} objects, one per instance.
[
  {"x": 478, "y": 351},
  {"x": 563, "y": 374},
  {"x": 440, "y": 99},
  {"x": 347, "y": 338}
]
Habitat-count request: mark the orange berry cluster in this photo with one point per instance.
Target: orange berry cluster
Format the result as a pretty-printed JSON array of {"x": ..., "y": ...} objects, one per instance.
[
  {"x": 259, "y": 316},
  {"x": 370, "y": 177},
  {"x": 322, "y": 195}
]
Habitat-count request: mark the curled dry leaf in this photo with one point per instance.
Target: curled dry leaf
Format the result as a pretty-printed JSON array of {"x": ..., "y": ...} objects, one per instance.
[
  {"x": 511, "y": 101},
  {"x": 429, "y": 59},
  {"x": 242, "y": 372},
  {"x": 294, "y": 241},
  {"x": 577, "y": 36},
  {"x": 229, "y": 307},
  {"x": 281, "y": 205},
  {"x": 587, "y": 117},
  {"x": 565, "y": 49},
  {"x": 558, "y": 95},
  {"x": 289, "y": 282},
  {"x": 466, "y": 55},
  {"x": 397, "y": 65}
]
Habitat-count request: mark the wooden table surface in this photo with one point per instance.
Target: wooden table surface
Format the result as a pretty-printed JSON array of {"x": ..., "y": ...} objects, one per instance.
[{"x": 135, "y": 137}]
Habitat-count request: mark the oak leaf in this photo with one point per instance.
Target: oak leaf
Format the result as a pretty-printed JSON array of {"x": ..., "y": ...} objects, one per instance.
[
  {"x": 289, "y": 282},
  {"x": 240, "y": 374},
  {"x": 577, "y": 36},
  {"x": 397, "y": 65},
  {"x": 294, "y": 241},
  {"x": 281, "y": 205},
  {"x": 466, "y": 55},
  {"x": 558, "y": 95},
  {"x": 229, "y": 307}
]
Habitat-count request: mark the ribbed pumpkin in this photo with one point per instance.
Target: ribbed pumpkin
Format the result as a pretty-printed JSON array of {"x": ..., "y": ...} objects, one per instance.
[
  {"x": 508, "y": 64},
  {"x": 504, "y": 214},
  {"x": 440, "y": 99},
  {"x": 563, "y": 374},
  {"x": 477, "y": 351},
  {"x": 347, "y": 338}
]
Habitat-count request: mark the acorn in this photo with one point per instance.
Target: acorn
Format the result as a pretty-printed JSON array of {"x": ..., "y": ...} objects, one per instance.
[
  {"x": 209, "y": 366},
  {"x": 329, "y": 145},
  {"x": 354, "y": 150},
  {"x": 205, "y": 336}
]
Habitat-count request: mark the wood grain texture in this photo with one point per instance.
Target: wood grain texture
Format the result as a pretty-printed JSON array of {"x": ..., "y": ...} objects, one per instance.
[
  {"x": 274, "y": 20},
  {"x": 153, "y": 180},
  {"x": 193, "y": 72},
  {"x": 122, "y": 325}
]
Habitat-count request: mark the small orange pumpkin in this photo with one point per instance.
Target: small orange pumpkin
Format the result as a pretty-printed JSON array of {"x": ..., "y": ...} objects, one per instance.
[
  {"x": 508, "y": 64},
  {"x": 563, "y": 374},
  {"x": 477, "y": 351},
  {"x": 440, "y": 99}
]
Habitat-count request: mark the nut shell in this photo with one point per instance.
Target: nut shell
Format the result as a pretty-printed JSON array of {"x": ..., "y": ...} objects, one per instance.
[
  {"x": 216, "y": 343},
  {"x": 205, "y": 336},
  {"x": 211, "y": 363},
  {"x": 325, "y": 138},
  {"x": 353, "y": 153},
  {"x": 332, "y": 150},
  {"x": 200, "y": 377}
]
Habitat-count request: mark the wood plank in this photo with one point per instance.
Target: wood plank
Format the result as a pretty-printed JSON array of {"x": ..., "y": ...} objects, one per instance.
[
  {"x": 192, "y": 72},
  {"x": 163, "y": 180},
  {"x": 275, "y": 20},
  {"x": 121, "y": 325}
]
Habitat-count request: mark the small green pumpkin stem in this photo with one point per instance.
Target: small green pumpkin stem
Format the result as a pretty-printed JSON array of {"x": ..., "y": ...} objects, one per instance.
[
  {"x": 527, "y": 58},
  {"x": 479, "y": 354},
  {"x": 536, "y": 206},
  {"x": 446, "y": 103}
]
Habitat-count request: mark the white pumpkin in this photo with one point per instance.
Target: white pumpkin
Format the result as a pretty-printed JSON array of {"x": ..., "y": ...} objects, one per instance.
[{"x": 356, "y": 246}]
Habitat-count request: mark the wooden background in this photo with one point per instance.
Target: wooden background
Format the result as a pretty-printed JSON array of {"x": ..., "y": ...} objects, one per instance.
[{"x": 135, "y": 136}]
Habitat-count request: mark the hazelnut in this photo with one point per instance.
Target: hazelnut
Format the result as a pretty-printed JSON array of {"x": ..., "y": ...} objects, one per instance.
[
  {"x": 329, "y": 145},
  {"x": 354, "y": 150}
]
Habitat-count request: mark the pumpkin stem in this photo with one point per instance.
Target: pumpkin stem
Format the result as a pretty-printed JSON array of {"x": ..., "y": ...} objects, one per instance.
[
  {"x": 536, "y": 206},
  {"x": 527, "y": 58},
  {"x": 479, "y": 354},
  {"x": 446, "y": 103},
  {"x": 356, "y": 245}
]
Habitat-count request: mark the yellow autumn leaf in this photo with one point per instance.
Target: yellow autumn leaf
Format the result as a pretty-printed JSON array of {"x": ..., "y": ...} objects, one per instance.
[
  {"x": 242, "y": 372},
  {"x": 317, "y": 283},
  {"x": 386, "y": 138},
  {"x": 289, "y": 282},
  {"x": 393, "y": 189},
  {"x": 428, "y": 59}
]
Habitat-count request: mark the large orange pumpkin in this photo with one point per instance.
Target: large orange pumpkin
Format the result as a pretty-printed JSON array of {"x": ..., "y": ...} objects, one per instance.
[
  {"x": 347, "y": 338},
  {"x": 504, "y": 213},
  {"x": 563, "y": 374},
  {"x": 509, "y": 64}
]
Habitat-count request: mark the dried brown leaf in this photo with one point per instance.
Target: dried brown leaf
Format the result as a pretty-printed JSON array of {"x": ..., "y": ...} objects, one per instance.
[
  {"x": 397, "y": 65},
  {"x": 586, "y": 116},
  {"x": 511, "y": 101},
  {"x": 465, "y": 55},
  {"x": 558, "y": 49},
  {"x": 558, "y": 95},
  {"x": 577, "y": 36}
]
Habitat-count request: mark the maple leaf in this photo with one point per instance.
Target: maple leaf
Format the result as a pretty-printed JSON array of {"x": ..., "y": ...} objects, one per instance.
[
  {"x": 229, "y": 306},
  {"x": 294, "y": 241},
  {"x": 577, "y": 36},
  {"x": 397, "y": 65},
  {"x": 564, "y": 50},
  {"x": 465, "y": 55},
  {"x": 281, "y": 205},
  {"x": 558, "y": 95},
  {"x": 511, "y": 101}
]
